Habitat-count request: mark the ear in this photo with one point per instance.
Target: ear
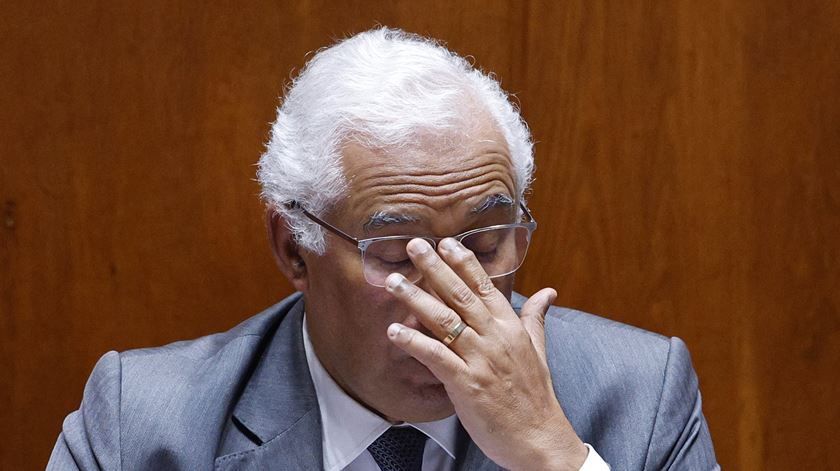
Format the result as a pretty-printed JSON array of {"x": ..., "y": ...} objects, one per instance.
[{"x": 287, "y": 253}]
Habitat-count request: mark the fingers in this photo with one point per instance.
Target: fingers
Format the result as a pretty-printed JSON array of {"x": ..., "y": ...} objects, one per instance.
[
  {"x": 449, "y": 286},
  {"x": 465, "y": 264},
  {"x": 445, "y": 364},
  {"x": 533, "y": 317},
  {"x": 436, "y": 316}
]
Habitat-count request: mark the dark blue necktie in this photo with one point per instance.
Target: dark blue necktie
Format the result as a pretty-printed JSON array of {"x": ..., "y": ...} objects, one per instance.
[{"x": 399, "y": 449}]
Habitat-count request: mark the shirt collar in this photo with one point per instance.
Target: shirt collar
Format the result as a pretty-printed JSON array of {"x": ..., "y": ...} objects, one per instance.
[{"x": 349, "y": 428}]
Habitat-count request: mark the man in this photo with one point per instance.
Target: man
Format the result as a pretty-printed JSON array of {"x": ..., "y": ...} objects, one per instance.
[{"x": 394, "y": 180}]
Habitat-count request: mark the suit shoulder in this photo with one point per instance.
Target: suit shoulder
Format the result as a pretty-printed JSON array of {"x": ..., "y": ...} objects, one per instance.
[
  {"x": 585, "y": 320},
  {"x": 608, "y": 348},
  {"x": 586, "y": 324},
  {"x": 610, "y": 378},
  {"x": 172, "y": 392},
  {"x": 208, "y": 346}
]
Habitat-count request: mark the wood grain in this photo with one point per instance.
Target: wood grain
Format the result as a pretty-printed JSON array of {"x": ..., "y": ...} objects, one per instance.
[{"x": 688, "y": 182}]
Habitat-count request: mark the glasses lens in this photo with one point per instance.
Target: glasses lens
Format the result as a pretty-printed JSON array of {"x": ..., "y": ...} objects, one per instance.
[
  {"x": 383, "y": 257},
  {"x": 500, "y": 251}
]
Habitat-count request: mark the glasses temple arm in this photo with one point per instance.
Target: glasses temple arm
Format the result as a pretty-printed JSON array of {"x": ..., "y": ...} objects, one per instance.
[
  {"x": 322, "y": 223},
  {"x": 526, "y": 211}
]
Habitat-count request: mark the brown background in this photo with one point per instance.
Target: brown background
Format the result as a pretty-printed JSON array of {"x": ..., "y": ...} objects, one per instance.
[{"x": 688, "y": 183}]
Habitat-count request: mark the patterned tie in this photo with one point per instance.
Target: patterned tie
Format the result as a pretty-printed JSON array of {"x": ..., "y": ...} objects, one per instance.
[{"x": 399, "y": 449}]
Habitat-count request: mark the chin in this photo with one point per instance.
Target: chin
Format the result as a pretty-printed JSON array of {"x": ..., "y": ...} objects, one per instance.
[{"x": 425, "y": 404}]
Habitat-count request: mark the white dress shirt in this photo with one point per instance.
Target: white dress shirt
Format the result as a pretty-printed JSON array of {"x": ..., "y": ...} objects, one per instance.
[{"x": 350, "y": 428}]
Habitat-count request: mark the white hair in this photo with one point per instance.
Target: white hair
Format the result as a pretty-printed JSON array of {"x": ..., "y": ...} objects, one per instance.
[{"x": 381, "y": 88}]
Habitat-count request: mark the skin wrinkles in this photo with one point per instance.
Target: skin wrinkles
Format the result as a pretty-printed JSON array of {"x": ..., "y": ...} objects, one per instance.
[
  {"x": 397, "y": 185},
  {"x": 460, "y": 160},
  {"x": 465, "y": 168}
]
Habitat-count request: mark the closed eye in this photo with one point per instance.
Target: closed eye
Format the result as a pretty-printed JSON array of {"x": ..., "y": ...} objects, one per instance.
[
  {"x": 394, "y": 263},
  {"x": 485, "y": 255}
]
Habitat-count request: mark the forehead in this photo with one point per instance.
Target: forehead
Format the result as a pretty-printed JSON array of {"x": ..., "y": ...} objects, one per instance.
[{"x": 437, "y": 179}]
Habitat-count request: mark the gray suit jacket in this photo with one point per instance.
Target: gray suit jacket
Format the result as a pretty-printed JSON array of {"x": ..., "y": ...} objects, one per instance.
[{"x": 243, "y": 399}]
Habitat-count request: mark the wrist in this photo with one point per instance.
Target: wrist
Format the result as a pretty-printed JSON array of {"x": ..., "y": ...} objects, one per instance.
[
  {"x": 555, "y": 453},
  {"x": 553, "y": 445},
  {"x": 567, "y": 458},
  {"x": 562, "y": 449}
]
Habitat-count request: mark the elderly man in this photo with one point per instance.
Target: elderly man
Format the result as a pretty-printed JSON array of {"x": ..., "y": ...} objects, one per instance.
[{"x": 394, "y": 181}]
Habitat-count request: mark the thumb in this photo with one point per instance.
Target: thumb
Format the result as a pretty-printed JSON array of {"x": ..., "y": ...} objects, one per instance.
[{"x": 533, "y": 317}]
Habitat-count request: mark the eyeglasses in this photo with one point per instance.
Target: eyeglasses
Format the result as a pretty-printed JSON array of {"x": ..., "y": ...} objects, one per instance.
[{"x": 500, "y": 249}]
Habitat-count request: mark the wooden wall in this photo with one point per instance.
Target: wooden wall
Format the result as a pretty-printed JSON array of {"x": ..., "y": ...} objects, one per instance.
[{"x": 688, "y": 183}]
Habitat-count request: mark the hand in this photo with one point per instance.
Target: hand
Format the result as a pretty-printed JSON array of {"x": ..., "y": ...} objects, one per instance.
[{"x": 495, "y": 372}]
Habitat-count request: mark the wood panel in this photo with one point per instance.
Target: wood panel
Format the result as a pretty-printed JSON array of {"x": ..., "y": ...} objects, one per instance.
[{"x": 687, "y": 183}]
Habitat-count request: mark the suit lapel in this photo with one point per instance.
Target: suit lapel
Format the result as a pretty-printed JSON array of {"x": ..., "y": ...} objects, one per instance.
[{"x": 278, "y": 409}]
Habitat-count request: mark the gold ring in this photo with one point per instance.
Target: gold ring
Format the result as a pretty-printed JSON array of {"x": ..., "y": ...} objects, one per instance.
[{"x": 454, "y": 333}]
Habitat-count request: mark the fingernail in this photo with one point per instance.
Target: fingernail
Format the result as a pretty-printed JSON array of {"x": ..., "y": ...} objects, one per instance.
[
  {"x": 393, "y": 281},
  {"x": 449, "y": 244},
  {"x": 394, "y": 330},
  {"x": 418, "y": 246}
]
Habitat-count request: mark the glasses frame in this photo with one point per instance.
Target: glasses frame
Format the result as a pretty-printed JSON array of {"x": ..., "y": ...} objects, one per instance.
[{"x": 363, "y": 244}]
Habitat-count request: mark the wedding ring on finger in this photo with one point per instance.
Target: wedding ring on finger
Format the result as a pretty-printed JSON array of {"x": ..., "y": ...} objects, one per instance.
[{"x": 454, "y": 333}]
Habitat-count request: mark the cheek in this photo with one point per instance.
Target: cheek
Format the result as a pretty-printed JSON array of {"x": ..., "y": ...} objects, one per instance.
[
  {"x": 380, "y": 308},
  {"x": 357, "y": 314},
  {"x": 355, "y": 306}
]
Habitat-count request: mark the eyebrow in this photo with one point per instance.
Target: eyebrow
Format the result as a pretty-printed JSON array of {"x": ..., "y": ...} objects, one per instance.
[
  {"x": 493, "y": 201},
  {"x": 381, "y": 219}
]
